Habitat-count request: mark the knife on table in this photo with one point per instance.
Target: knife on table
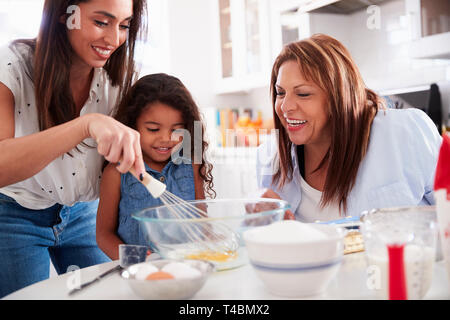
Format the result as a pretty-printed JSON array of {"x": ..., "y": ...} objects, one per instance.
[{"x": 103, "y": 275}]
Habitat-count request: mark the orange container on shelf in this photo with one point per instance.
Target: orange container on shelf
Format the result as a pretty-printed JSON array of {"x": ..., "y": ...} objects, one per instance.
[
  {"x": 248, "y": 130},
  {"x": 238, "y": 129}
]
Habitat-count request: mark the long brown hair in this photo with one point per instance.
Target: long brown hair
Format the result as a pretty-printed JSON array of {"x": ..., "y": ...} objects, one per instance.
[
  {"x": 351, "y": 107},
  {"x": 50, "y": 67},
  {"x": 171, "y": 91}
]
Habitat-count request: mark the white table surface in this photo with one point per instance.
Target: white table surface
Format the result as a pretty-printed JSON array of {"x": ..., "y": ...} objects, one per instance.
[{"x": 238, "y": 284}]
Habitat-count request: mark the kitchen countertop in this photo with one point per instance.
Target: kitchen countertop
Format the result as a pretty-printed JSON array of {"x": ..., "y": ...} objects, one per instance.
[{"x": 238, "y": 284}]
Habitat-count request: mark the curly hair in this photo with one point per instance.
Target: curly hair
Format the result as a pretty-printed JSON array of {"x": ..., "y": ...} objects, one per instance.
[{"x": 171, "y": 91}]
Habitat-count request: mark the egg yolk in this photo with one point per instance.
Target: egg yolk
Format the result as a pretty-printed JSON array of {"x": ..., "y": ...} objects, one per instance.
[
  {"x": 159, "y": 275},
  {"x": 213, "y": 255}
]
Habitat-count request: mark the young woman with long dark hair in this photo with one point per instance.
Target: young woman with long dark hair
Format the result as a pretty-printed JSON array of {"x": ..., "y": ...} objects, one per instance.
[{"x": 58, "y": 94}]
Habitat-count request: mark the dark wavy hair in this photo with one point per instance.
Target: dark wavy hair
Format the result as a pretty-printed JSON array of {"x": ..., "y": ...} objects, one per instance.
[{"x": 171, "y": 91}]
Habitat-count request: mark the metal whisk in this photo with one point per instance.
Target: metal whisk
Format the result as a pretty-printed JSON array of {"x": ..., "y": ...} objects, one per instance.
[{"x": 210, "y": 237}]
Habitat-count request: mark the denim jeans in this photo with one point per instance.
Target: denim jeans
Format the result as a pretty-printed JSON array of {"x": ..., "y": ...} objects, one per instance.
[{"x": 30, "y": 238}]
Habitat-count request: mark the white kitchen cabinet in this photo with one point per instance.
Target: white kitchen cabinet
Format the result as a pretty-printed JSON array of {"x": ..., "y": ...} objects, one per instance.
[
  {"x": 293, "y": 25},
  {"x": 430, "y": 21},
  {"x": 243, "y": 45},
  {"x": 251, "y": 34},
  {"x": 305, "y": 5},
  {"x": 328, "y": 6},
  {"x": 309, "y": 5}
]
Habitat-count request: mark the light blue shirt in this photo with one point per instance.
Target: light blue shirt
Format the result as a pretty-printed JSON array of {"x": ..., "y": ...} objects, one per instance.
[{"x": 398, "y": 169}]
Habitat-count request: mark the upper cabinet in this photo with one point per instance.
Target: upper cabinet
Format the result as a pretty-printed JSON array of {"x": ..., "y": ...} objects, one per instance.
[
  {"x": 329, "y": 6},
  {"x": 251, "y": 33},
  {"x": 243, "y": 46},
  {"x": 431, "y": 28}
]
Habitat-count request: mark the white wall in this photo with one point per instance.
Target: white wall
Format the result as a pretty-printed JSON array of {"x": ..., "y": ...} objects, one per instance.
[
  {"x": 383, "y": 55},
  {"x": 19, "y": 19},
  {"x": 190, "y": 45}
]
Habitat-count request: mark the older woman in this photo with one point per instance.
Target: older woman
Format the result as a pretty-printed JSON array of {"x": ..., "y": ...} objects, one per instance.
[{"x": 339, "y": 150}]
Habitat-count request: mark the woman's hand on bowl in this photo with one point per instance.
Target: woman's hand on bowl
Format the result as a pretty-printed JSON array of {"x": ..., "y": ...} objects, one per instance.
[
  {"x": 288, "y": 215},
  {"x": 269, "y": 193}
]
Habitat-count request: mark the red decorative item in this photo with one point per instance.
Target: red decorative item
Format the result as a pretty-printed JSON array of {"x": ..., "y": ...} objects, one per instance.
[
  {"x": 397, "y": 279},
  {"x": 442, "y": 178}
]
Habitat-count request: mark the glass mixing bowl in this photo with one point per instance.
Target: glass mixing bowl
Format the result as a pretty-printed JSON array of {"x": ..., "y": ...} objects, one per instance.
[{"x": 217, "y": 237}]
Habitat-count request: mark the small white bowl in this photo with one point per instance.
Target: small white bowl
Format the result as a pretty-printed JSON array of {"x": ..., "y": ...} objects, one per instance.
[
  {"x": 295, "y": 268},
  {"x": 168, "y": 289}
]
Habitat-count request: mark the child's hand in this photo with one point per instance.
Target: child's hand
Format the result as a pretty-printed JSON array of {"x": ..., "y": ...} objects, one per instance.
[{"x": 116, "y": 142}]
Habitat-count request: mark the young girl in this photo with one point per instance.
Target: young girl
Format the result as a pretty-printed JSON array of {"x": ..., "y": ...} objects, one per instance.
[{"x": 156, "y": 106}]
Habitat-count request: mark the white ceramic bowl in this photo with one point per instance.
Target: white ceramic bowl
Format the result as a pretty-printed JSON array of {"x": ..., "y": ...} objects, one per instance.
[
  {"x": 168, "y": 289},
  {"x": 295, "y": 268}
]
